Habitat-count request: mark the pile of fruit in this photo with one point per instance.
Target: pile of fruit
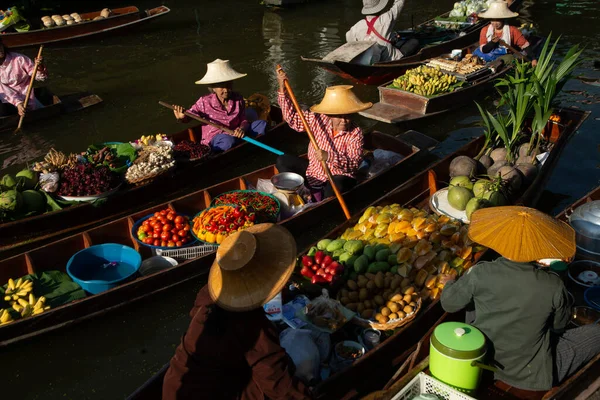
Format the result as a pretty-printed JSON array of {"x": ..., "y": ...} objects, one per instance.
[
  {"x": 165, "y": 228},
  {"x": 87, "y": 180},
  {"x": 321, "y": 268},
  {"x": 150, "y": 139},
  {"x": 152, "y": 161},
  {"x": 19, "y": 295},
  {"x": 216, "y": 223},
  {"x": 189, "y": 150},
  {"x": 19, "y": 196},
  {"x": 263, "y": 205},
  {"x": 426, "y": 81}
]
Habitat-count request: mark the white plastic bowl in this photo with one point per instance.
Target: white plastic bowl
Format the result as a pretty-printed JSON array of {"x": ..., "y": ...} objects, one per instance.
[{"x": 156, "y": 264}]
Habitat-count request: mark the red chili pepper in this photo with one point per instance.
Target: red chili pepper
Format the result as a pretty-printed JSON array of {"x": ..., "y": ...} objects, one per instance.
[
  {"x": 307, "y": 272},
  {"x": 318, "y": 279},
  {"x": 319, "y": 256},
  {"x": 307, "y": 261}
]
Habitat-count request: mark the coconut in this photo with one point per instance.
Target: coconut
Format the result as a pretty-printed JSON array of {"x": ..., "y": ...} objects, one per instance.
[
  {"x": 33, "y": 200},
  {"x": 524, "y": 150},
  {"x": 462, "y": 181},
  {"x": 458, "y": 197},
  {"x": 495, "y": 198},
  {"x": 480, "y": 187},
  {"x": 499, "y": 154},
  {"x": 525, "y": 160},
  {"x": 486, "y": 161},
  {"x": 8, "y": 181},
  {"x": 512, "y": 176},
  {"x": 10, "y": 200},
  {"x": 28, "y": 177},
  {"x": 463, "y": 166},
  {"x": 475, "y": 204},
  {"x": 529, "y": 172},
  {"x": 493, "y": 170}
]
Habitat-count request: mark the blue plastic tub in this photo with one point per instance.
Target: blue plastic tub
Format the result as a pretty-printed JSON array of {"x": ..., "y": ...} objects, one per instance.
[
  {"x": 103, "y": 267},
  {"x": 592, "y": 297}
]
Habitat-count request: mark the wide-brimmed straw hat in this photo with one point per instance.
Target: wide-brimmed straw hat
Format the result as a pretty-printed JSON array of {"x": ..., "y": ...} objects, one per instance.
[
  {"x": 498, "y": 10},
  {"x": 522, "y": 234},
  {"x": 373, "y": 6},
  {"x": 219, "y": 71},
  {"x": 251, "y": 267},
  {"x": 340, "y": 100}
]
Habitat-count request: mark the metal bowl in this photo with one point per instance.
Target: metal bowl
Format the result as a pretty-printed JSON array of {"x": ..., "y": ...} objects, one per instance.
[
  {"x": 287, "y": 181},
  {"x": 577, "y": 267},
  {"x": 584, "y": 316}
]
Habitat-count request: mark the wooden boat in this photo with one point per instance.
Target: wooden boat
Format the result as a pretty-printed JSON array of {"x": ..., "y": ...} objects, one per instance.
[
  {"x": 26, "y": 233},
  {"x": 121, "y": 18},
  {"x": 54, "y": 105},
  {"x": 56, "y": 254},
  {"x": 381, "y": 363},
  {"x": 382, "y": 72},
  {"x": 397, "y": 106}
]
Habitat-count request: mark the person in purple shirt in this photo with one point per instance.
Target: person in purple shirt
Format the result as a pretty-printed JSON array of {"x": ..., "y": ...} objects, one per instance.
[{"x": 223, "y": 106}]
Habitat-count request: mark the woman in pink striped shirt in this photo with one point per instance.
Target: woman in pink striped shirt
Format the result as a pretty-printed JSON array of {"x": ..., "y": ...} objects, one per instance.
[
  {"x": 340, "y": 140},
  {"x": 15, "y": 74},
  {"x": 223, "y": 106}
]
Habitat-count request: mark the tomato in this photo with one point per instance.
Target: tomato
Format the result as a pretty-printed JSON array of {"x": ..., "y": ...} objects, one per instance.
[
  {"x": 171, "y": 244},
  {"x": 163, "y": 243},
  {"x": 175, "y": 238},
  {"x": 163, "y": 220},
  {"x": 156, "y": 242},
  {"x": 156, "y": 235},
  {"x": 165, "y": 236},
  {"x": 182, "y": 233},
  {"x": 157, "y": 214},
  {"x": 184, "y": 240},
  {"x": 157, "y": 229},
  {"x": 179, "y": 243},
  {"x": 146, "y": 223},
  {"x": 148, "y": 240},
  {"x": 167, "y": 227},
  {"x": 186, "y": 228},
  {"x": 171, "y": 217},
  {"x": 163, "y": 212},
  {"x": 179, "y": 219},
  {"x": 179, "y": 226}
]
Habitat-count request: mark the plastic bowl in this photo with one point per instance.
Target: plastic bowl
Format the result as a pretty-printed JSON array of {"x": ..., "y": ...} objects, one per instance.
[
  {"x": 156, "y": 264},
  {"x": 592, "y": 297},
  {"x": 103, "y": 267},
  {"x": 577, "y": 267}
]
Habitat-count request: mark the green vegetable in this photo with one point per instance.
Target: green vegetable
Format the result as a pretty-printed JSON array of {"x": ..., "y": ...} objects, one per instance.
[
  {"x": 312, "y": 251},
  {"x": 394, "y": 269},
  {"x": 351, "y": 261},
  {"x": 322, "y": 245},
  {"x": 8, "y": 181},
  {"x": 392, "y": 259},
  {"x": 33, "y": 201},
  {"x": 381, "y": 247},
  {"x": 361, "y": 264},
  {"x": 369, "y": 251},
  {"x": 337, "y": 244},
  {"x": 353, "y": 246},
  {"x": 28, "y": 177},
  {"x": 344, "y": 257},
  {"x": 382, "y": 255},
  {"x": 378, "y": 266},
  {"x": 10, "y": 200},
  {"x": 337, "y": 253}
]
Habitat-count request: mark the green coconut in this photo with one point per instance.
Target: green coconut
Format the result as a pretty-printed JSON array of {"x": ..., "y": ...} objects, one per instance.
[
  {"x": 458, "y": 197},
  {"x": 495, "y": 198},
  {"x": 33, "y": 201},
  {"x": 28, "y": 177},
  {"x": 462, "y": 181},
  {"x": 480, "y": 187},
  {"x": 10, "y": 200},
  {"x": 475, "y": 204},
  {"x": 8, "y": 181}
]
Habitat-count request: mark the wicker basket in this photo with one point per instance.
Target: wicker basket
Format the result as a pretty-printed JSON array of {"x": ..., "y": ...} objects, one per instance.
[
  {"x": 149, "y": 178},
  {"x": 389, "y": 325}
]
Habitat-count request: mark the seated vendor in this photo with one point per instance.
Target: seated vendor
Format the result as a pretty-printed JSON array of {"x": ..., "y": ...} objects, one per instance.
[
  {"x": 522, "y": 308},
  {"x": 490, "y": 47},
  {"x": 340, "y": 141},
  {"x": 223, "y": 106},
  {"x": 15, "y": 75}
]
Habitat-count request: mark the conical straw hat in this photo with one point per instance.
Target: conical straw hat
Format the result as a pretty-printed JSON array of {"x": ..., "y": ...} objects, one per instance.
[
  {"x": 340, "y": 100},
  {"x": 219, "y": 71},
  {"x": 251, "y": 267},
  {"x": 522, "y": 234},
  {"x": 498, "y": 10}
]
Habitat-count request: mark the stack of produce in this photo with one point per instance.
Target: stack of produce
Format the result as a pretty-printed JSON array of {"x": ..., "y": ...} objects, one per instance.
[
  {"x": 321, "y": 268},
  {"x": 19, "y": 196},
  {"x": 87, "y": 180},
  {"x": 149, "y": 140},
  {"x": 426, "y": 81},
  {"x": 151, "y": 162},
  {"x": 55, "y": 161},
  {"x": 189, "y": 150},
  {"x": 467, "y": 65},
  {"x": 19, "y": 296},
  {"x": 469, "y": 7},
  {"x": 216, "y": 223},
  {"x": 165, "y": 228},
  {"x": 265, "y": 206}
]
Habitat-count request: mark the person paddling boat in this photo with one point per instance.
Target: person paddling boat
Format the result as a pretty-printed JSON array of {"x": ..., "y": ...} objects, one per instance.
[
  {"x": 490, "y": 46},
  {"x": 15, "y": 75},
  {"x": 339, "y": 139},
  {"x": 223, "y": 106}
]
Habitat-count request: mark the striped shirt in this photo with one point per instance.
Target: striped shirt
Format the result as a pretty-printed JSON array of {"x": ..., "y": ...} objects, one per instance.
[
  {"x": 344, "y": 149},
  {"x": 15, "y": 75}
]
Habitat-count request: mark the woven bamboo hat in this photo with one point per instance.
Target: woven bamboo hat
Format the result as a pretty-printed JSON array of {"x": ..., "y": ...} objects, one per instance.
[
  {"x": 340, "y": 100},
  {"x": 522, "y": 234},
  {"x": 251, "y": 267},
  {"x": 498, "y": 10},
  {"x": 219, "y": 71},
  {"x": 371, "y": 7}
]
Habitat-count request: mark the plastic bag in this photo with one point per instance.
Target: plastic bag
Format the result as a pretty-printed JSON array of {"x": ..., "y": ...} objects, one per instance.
[
  {"x": 49, "y": 182},
  {"x": 308, "y": 349},
  {"x": 326, "y": 313},
  {"x": 382, "y": 160}
]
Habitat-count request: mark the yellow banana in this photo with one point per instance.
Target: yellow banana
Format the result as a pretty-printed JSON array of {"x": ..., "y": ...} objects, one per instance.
[
  {"x": 19, "y": 283},
  {"x": 22, "y": 302},
  {"x": 23, "y": 293},
  {"x": 17, "y": 308},
  {"x": 37, "y": 311},
  {"x": 7, "y": 298},
  {"x": 15, "y": 297},
  {"x": 11, "y": 284},
  {"x": 46, "y": 308},
  {"x": 31, "y": 299},
  {"x": 5, "y": 316},
  {"x": 27, "y": 310}
]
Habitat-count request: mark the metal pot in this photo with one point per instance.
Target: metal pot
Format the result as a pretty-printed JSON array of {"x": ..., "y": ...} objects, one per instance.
[
  {"x": 455, "y": 355},
  {"x": 586, "y": 222},
  {"x": 287, "y": 181}
]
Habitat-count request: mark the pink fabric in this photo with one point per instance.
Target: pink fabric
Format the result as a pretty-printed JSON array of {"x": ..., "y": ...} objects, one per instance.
[
  {"x": 15, "y": 73},
  {"x": 210, "y": 107}
]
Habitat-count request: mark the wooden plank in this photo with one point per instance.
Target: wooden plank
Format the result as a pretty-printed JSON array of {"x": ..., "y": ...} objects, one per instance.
[
  {"x": 390, "y": 114},
  {"x": 349, "y": 52}
]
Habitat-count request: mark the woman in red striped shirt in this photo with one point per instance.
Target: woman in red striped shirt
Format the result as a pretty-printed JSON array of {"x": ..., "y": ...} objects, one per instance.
[{"x": 340, "y": 140}]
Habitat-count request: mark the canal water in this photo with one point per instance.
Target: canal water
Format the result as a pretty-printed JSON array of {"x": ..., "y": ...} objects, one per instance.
[{"x": 108, "y": 357}]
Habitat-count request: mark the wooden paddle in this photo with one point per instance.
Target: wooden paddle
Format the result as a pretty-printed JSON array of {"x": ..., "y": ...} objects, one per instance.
[
  {"x": 315, "y": 146},
  {"x": 224, "y": 129},
  {"x": 515, "y": 51},
  {"x": 28, "y": 95}
]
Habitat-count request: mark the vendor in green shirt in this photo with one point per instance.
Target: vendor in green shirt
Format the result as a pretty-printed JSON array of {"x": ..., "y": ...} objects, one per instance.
[{"x": 521, "y": 308}]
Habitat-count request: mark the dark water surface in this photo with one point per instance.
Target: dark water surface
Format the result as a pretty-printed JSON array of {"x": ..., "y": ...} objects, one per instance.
[{"x": 109, "y": 357}]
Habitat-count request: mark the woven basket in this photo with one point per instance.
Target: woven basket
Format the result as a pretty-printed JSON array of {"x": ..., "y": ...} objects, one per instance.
[
  {"x": 149, "y": 178},
  {"x": 389, "y": 325}
]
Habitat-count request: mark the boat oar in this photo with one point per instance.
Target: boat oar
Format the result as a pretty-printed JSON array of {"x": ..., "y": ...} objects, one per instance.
[
  {"x": 224, "y": 129},
  {"x": 515, "y": 51},
  {"x": 28, "y": 95},
  {"x": 315, "y": 146}
]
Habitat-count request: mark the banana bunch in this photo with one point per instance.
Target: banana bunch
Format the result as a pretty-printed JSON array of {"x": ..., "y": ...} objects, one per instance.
[
  {"x": 150, "y": 139},
  {"x": 425, "y": 81},
  {"x": 20, "y": 296},
  {"x": 19, "y": 289},
  {"x": 30, "y": 307},
  {"x": 5, "y": 317}
]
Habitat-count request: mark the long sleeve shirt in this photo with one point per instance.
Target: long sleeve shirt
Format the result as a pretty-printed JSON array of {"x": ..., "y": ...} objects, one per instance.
[
  {"x": 242, "y": 360},
  {"x": 209, "y": 107},
  {"x": 510, "y": 34},
  {"x": 516, "y": 307},
  {"x": 384, "y": 25},
  {"x": 15, "y": 75},
  {"x": 344, "y": 149}
]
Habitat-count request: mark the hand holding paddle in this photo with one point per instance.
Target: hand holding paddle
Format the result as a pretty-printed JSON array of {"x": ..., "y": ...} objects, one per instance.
[
  {"x": 28, "y": 95},
  {"x": 323, "y": 157}
]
